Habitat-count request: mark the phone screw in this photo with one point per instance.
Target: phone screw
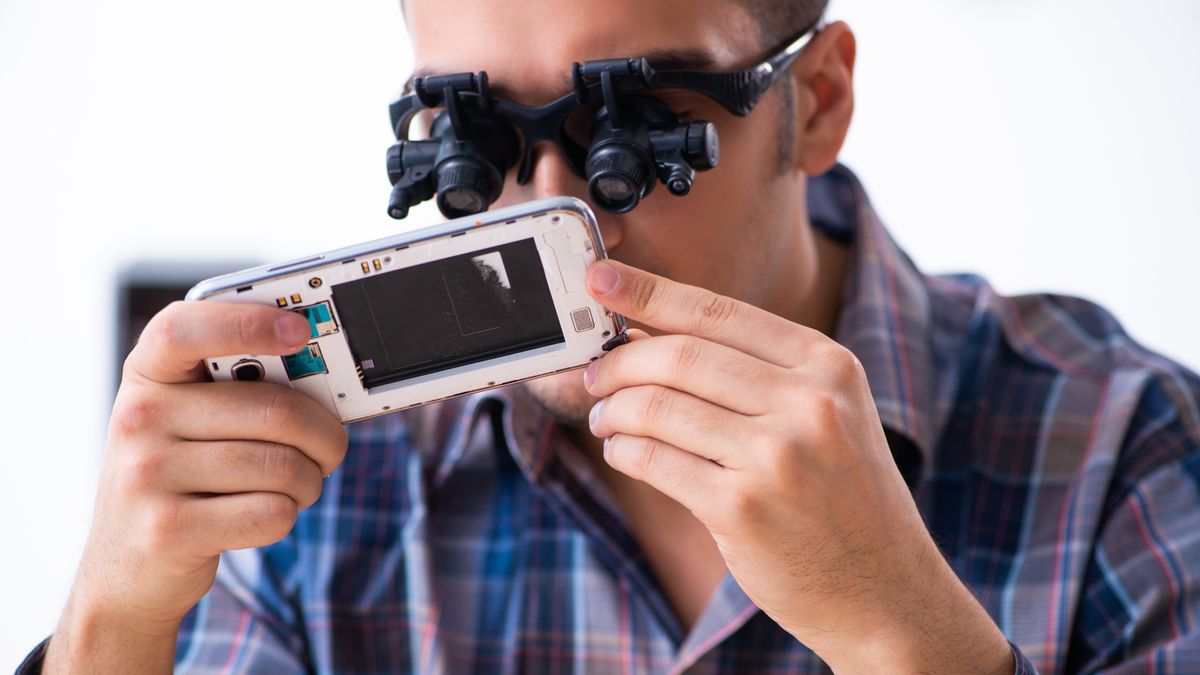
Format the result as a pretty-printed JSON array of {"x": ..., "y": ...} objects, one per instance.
[
  {"x": 341, "y": 396},
  {"x": 315, "y": 282}
]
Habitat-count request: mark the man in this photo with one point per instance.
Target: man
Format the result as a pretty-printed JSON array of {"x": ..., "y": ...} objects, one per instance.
[{"x": 809, "y": 456}]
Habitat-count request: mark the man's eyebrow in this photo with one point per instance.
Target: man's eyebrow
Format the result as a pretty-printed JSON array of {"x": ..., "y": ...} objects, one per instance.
[
  {"x": 659, "y": 59},
  {"x": 496, "y": 88},
  {"x": 680, "y": 59}
]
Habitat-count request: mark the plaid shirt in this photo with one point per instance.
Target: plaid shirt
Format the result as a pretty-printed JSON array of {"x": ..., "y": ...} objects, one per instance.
[{"x": 1056, "y": 462}]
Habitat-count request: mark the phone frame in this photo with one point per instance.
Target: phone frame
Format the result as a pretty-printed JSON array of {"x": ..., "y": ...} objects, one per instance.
[{"x": 341, "y": 388}]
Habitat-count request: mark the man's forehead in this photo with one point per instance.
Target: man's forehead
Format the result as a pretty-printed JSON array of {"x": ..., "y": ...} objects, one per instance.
[
  {"x": 684, "y": 58},
  {"x": 527, "y": 48}
]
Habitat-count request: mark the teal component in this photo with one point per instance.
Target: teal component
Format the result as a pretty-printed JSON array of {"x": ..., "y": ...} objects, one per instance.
[
  {"x": 320, "y": 319},
  {"x": 307, "y": 361}
]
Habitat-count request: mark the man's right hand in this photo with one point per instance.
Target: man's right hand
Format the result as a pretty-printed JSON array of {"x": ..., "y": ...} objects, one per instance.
[{"x": 192, "y": 468}]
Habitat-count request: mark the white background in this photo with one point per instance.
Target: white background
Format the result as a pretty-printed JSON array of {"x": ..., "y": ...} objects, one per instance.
[{"x": 1048, "y": 145}]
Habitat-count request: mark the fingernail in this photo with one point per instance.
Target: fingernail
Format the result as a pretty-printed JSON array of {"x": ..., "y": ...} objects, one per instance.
[
  {"x": 292, "y": 329},
  {"x": 606, "y": 448},
  {"x": 595, "y": 413},
  {"x": 589, "y": 375},
  {"x": 604, "y": 278}
]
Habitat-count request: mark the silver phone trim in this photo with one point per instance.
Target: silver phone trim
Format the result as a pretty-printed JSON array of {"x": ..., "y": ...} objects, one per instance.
[{"x": 279, "y": 270}]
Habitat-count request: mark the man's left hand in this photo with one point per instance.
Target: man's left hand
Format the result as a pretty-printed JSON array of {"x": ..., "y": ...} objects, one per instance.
[{"x": 767, "y": 432}]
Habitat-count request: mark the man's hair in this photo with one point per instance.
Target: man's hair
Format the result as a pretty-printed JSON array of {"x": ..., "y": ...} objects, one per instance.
[{"x": 778, "y": 22}]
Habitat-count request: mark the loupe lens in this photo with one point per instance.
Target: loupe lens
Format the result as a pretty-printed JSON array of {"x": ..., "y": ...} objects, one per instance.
[
  {"x": 613, "y": 189},
  {"x": 462, "y": 200},
  {"x": 466, "y": 186},
  {"x": 617, "y": 178}
]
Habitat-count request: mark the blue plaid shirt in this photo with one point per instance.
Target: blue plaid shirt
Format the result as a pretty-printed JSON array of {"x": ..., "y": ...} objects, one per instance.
[{"x": 1056, "y": 462}]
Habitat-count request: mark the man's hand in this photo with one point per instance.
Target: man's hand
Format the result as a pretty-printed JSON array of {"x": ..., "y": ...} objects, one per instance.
[
  {"x": 767, "y": 432},
  {"x": 192, "y": 469}
]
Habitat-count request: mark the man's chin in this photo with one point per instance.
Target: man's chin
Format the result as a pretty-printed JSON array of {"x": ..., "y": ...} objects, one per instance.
[{"x": 563, "y": 396}]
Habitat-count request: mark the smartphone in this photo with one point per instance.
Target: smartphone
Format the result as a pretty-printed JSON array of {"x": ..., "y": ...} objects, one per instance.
[{"x": 455, "y": 308}]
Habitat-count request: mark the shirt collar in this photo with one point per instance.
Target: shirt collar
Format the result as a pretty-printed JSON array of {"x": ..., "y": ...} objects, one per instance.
[
  {"x": 521, "y": 427},
  {"x": 883, "y": 320}
]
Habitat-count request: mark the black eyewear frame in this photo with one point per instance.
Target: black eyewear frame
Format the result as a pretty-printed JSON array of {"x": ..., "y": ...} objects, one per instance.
[{"x": 462, "y": 100}]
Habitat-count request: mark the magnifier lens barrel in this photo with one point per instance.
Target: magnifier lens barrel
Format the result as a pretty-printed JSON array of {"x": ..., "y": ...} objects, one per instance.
[
  {"x": 466, "y": 185},
  {"x": 618, "y": 177}
]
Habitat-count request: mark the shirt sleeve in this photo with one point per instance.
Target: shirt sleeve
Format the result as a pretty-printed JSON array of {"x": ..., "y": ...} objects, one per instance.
[
  {"x": 1023, "y": 665},
  {"x": 244, "y": 624},
  {"x": 247, "y": 623},
  {"x": 1140, "y": 604}
]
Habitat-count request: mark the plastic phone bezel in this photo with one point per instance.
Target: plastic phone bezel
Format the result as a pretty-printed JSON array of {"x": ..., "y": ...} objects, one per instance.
[{"x": 423, "y": 390}]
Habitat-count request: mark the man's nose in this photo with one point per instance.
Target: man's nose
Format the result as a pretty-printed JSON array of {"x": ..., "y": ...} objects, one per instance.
[{"x": 553, "y": 176}]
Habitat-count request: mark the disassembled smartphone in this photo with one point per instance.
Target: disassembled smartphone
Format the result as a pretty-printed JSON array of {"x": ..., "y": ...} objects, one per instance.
[{"x": 455, "y": 308}]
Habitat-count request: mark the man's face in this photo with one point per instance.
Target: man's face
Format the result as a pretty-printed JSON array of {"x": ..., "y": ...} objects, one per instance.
[{"x": 739, "y": 232}]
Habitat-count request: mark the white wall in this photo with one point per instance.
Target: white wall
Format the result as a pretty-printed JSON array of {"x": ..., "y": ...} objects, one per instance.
[
  {"x": 1046, "y": 144},
  {"x": 1049, "y": 145},
  {"x": 142, "y": 129}
]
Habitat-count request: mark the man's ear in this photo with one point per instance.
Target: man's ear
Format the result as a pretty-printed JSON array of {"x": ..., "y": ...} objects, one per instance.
[{"x": 824, "y": 82}]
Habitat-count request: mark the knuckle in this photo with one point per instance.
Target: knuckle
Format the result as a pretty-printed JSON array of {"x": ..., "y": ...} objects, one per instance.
[
  {"x": 275, "y": 518},
  {"x": 341, "y": 445},
  {"x": 327, "y": 456},
  {"x": 826, "y": 412},
  {"x": 779, "y": 458},
  {"x": 614, "y": 448},
  {"x": 326, "y": 451},
  {"x": 243, "y": 326},
  {"x": 642, "y": 295},
  {"x": 163, "y": 524},
  {"x": 645, "y": 456},
  {"x": 623, "y": 454},
  {"x": 753, "y": 375},
  {"x": 167, "y": 329},
  {"x": 796, "y": 392},
  {"x": 856, "y": 365},
  {"x": 309, "y": 492},
  {"x": 142, "y": 470},
  {"x": 656, "y": 403},
  {"x": 827, "y": 423},
  {"x": 232, "y": 457},
  {"x": 715, "y": 311},
  {"x": 277, "y": 412},
  {"x": 816, "y": 411},
  {"x": 128, "y": 372},
  {"x": 686, "y": 353},
  {"x": 279, "y": 464},
  {"x": 841, "y": 361},
  {"x": 134, "y": 413},
  {"x": 612, "y": 368},
  {"x": 741, "y": 506}
]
